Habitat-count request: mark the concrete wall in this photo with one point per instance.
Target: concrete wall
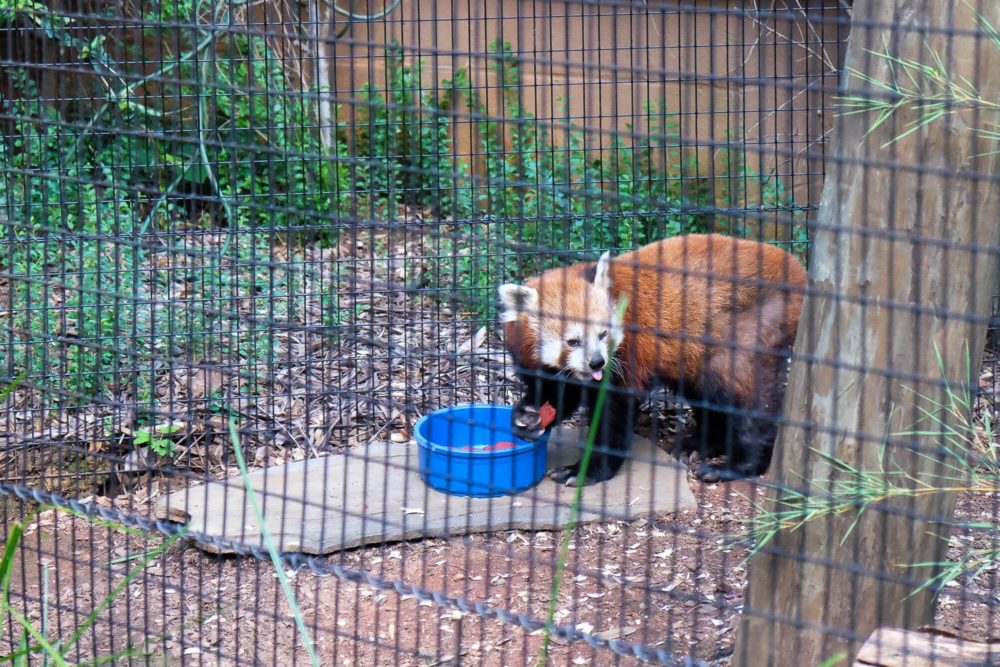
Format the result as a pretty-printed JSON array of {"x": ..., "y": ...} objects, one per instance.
[
  {"x": 759, "y": 71},
  {"x": 722, "y": 67}
]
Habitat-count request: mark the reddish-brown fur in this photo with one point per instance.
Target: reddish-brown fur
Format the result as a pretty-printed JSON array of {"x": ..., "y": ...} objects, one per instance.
[
  {"x": 690, "y": 299},
  {"x": 706, "y": 299},
  {"x": 712, "y": 315}
]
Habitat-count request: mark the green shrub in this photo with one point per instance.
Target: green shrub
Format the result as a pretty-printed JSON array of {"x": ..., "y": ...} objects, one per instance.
[
  {"x": 404, "y": 144},
  {"x": 217, "y": 136},
  {"x": 256, "y": 148},
  {"x": 71, "y": 252},
  {"x": 535, "y": 197},
  {"x": 231, "y": 144}
]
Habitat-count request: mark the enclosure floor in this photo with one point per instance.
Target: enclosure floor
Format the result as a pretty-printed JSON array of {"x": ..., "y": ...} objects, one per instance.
[{"x": 374, "y": 494}]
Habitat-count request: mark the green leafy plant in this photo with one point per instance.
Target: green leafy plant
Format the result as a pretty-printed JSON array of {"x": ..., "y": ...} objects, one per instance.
[
  {"x": 403, "y": 143},
  {"x": 57, "y": 212},
  {"x": 77, "y": 197},
  {"x": 157, "y": 438},
  {"x": 927, "y": 88},
  {"x": 535, "y": 196},
  {"x": 258, "y": 156}
]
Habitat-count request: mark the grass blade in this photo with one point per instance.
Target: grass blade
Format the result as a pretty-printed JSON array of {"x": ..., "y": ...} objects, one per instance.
[
  {"x": 833, "y": 661},
  {"x": 271, "y": 549},
  {"x": 51, "y": 651},
  {"x": 119, "y": 587},
  {"x": 577, "y": 499},
  {"x": 7, "y": 564},
  {"x": 12, "y": 385}
]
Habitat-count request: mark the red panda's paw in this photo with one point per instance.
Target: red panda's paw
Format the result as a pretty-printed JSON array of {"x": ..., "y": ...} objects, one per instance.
[
  {"x": 687, "y": 457},
  {"x": 526, "y": 423},
  {"x": 568, "y": 475},
  {"x": 564, "y": 474},
  {"x": 710, "y": 473}
]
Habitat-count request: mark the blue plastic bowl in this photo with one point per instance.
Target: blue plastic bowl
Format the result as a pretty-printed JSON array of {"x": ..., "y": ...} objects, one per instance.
[{"x": 459, "y": 452}]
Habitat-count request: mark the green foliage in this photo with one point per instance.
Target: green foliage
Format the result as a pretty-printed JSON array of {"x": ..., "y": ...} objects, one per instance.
[
  {"x": 257, "y": 150},
  {"x": 926, "y": 91},
  {"x": 536, "y": 196},
  {"x": 34, "y": 15},
  {"x": 158, "y": 438},
  {"x": 404, "y": 144},
  {"x": 529, "y": 194},
  {"x": 222, "y": 140},
  {"x": 60, "y": 218}
]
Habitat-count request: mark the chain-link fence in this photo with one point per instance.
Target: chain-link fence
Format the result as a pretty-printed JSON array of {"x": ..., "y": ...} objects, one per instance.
[{"x": 515, "y": 332}]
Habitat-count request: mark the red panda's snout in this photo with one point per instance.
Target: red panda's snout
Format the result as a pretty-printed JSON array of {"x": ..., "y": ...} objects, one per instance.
[{"x": 586, "y": 352}]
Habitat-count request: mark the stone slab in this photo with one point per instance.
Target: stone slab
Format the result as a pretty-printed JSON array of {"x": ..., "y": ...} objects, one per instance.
[{"x": 374, "y": 494}]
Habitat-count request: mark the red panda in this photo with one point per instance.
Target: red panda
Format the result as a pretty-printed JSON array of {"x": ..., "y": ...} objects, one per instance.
[{"x": 712, "y": 317}]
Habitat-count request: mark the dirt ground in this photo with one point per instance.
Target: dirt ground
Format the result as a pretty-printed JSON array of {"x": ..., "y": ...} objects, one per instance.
[
  {"x": 659, "y": 581},
  {"x": 666, "y": 581}
]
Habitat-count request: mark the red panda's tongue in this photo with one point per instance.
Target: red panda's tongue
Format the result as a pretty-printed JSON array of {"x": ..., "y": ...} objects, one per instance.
[{"x": 598, "y": 375}]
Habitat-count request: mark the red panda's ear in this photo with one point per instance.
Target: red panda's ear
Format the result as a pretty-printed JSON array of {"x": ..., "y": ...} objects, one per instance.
[
  {"x": 517, "y": 300},
  {"x": 602, "y": 273}
]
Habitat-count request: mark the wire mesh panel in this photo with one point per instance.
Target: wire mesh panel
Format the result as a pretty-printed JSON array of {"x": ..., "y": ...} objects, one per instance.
[{"x": 436, "y": 332}]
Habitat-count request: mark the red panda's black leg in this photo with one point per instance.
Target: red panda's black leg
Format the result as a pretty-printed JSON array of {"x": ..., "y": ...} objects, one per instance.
[
  {"x": 757, "y": 428},
  {"x": 761, "y": 430},
  {"x": 615, "y": 429},
  {"x": 712, "y": 404},
  {"x": 752, "y": 427},
  {"x": 713, "y": 430},
  {"x": 749, "y": 452}
]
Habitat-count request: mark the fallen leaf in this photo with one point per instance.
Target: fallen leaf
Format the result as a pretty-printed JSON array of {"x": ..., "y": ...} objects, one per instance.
[{"x": 205, "y": 381}]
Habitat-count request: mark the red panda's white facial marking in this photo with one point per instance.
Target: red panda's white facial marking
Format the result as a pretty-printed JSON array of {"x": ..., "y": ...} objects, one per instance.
[
  {"x": 583, "y": 348},
  {"x": 574, "y": 320}
]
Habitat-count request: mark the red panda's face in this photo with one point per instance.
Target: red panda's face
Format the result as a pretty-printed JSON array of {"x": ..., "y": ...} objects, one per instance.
[{"x": 574, "y": 318}]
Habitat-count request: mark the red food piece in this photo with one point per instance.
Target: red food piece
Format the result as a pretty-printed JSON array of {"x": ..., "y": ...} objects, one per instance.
[
  {"x": 547, "y": 415},
  {"x": 489, "y": 448}
]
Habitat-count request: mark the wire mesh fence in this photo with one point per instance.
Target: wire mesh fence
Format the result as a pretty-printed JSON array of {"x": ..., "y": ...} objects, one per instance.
[{"x": 436, "y": 332}]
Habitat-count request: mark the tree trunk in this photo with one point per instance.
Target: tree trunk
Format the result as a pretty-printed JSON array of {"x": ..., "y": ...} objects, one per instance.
[
  {"x": 904, "y": 258},
  {"x": 321, "y": 25}
]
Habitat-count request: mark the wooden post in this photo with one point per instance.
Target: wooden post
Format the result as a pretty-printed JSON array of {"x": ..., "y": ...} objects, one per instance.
[{"x": 904, "y": 253}]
